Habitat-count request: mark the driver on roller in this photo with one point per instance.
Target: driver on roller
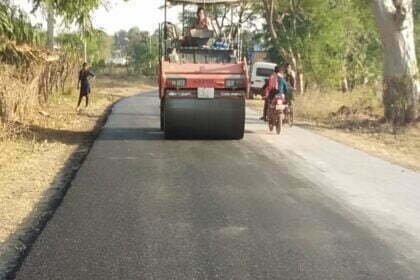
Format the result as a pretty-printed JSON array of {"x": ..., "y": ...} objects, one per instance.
[{"x": 202, "y": 21}]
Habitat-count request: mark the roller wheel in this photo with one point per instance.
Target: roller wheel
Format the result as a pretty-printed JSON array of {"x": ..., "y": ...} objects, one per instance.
[
  {"x": 204, "y": 119},
  {"x": 162, "y": 122}
]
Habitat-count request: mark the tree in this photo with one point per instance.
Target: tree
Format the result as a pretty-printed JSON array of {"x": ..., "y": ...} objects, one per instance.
[
  {"x": 121, "y": 41},
  {"x": 50, "y": 26},
  {"x": 78, "y": 12},
  {"x": 99, "y": 47},
  {"x": 332, "y": 42},
  {"x": 417, "y": 29},
  {"x": 142, "y": 51},
  {"x": 400, "y": 73},
  {"x": 270, "y": 15}
]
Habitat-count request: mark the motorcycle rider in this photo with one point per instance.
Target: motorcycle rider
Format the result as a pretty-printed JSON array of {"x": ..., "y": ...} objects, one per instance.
[
  {"x": 270, "y": 90},
  {"x": 282, "y": 84}
]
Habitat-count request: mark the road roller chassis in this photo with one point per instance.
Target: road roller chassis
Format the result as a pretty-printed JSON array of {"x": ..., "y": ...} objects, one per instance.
[
  {"x": 203, "y": 82},
  {"x": 203, "y": 101}
]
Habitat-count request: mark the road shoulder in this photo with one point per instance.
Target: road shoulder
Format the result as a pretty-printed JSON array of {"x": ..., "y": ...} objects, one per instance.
[
  {"x": 382, "y": 196},
  {"x": 39, "y": 164}
]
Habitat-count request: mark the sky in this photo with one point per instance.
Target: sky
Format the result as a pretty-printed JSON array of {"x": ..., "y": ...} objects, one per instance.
[
  {"x": 119, "y": 14},
  {"x": 123, "y": 15}
]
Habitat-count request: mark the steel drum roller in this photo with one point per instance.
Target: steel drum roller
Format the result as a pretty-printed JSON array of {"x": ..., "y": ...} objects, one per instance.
[{"x": 204, "y": 118}]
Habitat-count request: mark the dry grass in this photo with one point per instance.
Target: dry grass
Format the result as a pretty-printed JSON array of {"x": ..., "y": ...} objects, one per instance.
[
  {"x": 356, "y": 119},
  {"x": 25, "y": 85},
  {"x": 34, "y": 151}
]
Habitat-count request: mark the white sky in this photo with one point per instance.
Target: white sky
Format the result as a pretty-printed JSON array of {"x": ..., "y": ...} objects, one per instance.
[
  {"x": 119, "y": 14},
  {"x": 123, "y": 15}
]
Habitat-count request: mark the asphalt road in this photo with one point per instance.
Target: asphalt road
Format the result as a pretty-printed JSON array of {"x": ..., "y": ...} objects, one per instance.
[{"x": 145, "y": 208}]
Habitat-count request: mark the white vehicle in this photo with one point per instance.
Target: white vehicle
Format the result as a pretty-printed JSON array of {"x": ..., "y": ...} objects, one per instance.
[{"x": 261, "y": 71}]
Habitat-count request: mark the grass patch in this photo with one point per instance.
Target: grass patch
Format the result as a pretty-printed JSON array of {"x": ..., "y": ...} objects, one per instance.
[{"x": 353, "y": 110}]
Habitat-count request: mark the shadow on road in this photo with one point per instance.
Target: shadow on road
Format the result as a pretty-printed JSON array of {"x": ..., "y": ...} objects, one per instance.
[
  {"x": 116, "y": 134},
  {"x": 137, "y": 115}
]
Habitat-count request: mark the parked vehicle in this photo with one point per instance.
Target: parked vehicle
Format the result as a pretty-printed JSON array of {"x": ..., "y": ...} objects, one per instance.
[
  {"x": 203, "y": 80},
  {"x": 261, "y": 71}
]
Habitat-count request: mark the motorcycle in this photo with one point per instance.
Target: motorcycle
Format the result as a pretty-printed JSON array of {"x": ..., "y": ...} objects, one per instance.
[{"x": 279, "y": 111}]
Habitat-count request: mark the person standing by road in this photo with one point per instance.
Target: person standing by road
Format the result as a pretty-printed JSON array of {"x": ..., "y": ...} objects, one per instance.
[
  {"x": 83, "y": 84},
  {"x": 270, "y": 90}
]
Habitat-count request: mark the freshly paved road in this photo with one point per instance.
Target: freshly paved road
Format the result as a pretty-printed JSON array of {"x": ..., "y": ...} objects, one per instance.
[{"x": 295, "y": 206}]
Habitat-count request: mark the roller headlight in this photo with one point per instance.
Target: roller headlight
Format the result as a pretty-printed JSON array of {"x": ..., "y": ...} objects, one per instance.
[
  {"x": 176, "y": 83},
  {"x": 234, "y": 83}
]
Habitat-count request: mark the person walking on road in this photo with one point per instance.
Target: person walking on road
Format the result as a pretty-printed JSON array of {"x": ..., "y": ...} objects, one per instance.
[{"x": 83, "y": 84}]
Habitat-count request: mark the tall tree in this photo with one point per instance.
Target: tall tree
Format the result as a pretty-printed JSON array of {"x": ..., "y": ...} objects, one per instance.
[
  {"x": 270, "y": 15},
  {"x": 401, "y": 82},
  {"x": 121, "y": 41},
  {"x": 50, "y": 25},
  {"x": 74, "y": 11}
]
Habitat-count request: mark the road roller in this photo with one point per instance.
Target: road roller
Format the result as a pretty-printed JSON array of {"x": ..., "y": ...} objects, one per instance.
[{"x": 203, "y": 79}]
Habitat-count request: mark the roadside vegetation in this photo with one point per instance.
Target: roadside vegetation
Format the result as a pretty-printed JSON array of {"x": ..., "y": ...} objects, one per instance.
[{"x": 357, "y": 119}]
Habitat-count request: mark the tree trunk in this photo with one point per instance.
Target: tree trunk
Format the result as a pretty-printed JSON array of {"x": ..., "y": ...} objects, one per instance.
[
  {"x": 269, "y": 17},
  {"x": 85, "y": 55},
  {"x": 401, "y": 85},
  {"x": 296, "y": 63},
  {"x": 300, "y": 82},
  {"x": 50, "y": 27},
  {"x": 344, "y": 85}
]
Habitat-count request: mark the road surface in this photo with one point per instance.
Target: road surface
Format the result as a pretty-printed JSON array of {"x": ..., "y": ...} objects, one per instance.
[{"x": 295, "y": 206}]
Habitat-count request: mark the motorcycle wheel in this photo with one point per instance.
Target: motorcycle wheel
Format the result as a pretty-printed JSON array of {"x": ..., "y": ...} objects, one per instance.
[
  {"x": 291, "y": 116},
  {"x": 270, "y": 120},
  {"x": 270, "y": 125},
  {"x": 279, "y": 124}
]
